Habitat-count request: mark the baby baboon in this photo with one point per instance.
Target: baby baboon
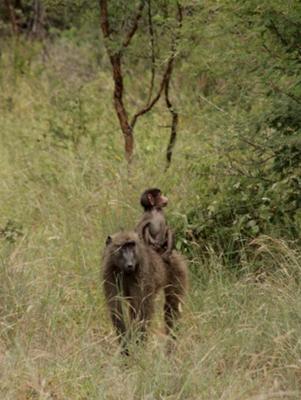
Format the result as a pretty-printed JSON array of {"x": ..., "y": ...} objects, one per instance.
[
  {"x": 152, "y": 227},
  {"x": 134, "y": 272}
]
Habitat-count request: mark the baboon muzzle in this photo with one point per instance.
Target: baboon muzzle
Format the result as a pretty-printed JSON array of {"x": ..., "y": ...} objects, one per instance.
[{"x": 129, "y": 268}]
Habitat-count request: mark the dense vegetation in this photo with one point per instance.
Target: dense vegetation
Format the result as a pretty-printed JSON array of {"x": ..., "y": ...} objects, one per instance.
[{"x": 234, "y": 185}]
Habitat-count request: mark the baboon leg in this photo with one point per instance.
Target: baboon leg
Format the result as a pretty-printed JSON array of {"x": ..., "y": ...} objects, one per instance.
[
  {"x": 141, "y": 312},
  {"x": 171, "y": 310},
  {"x": 146, "y": 314},
  {"x": 174, "y": 295},
  {"x": 115, "y": 307},
  {"x": 175, "y": 290},
  {"x": 117, "y": 316}
]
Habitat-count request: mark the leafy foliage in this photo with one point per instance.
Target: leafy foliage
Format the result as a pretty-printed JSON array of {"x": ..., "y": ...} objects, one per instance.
[{"x": 250, "y": 94}]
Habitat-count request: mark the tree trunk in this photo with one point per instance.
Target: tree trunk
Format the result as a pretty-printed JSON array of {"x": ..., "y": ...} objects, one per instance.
[
  {"x": 38, "y": 25},
  {"x": 12, "y": 17},
  {"x": 119, "y": 107},
  {"x": 115, "y": 59}
]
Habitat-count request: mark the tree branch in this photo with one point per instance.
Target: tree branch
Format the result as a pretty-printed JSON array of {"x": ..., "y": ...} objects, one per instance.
[
  {"x": 115, "y": 59},
  {"x": 153, "y": 57},
  {"x": 12, "y": 16},
  {"x": 174, "y": 124},
  {"x": 104, "y": 18},
  {"x": 164, "y": 85},
  {"x": 134, "y": 24},
  {"x": 174, "y": 113},
  {"x": 150, "y": 105}
]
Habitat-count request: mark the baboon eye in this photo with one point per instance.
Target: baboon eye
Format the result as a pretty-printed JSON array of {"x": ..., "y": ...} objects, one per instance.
[
  {"x": 129, "y": 243},
  {"x": 108, "y": 240}
]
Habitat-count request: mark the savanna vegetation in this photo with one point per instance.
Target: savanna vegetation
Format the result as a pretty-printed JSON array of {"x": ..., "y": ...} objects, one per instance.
[{"x": 101, "y": 99}]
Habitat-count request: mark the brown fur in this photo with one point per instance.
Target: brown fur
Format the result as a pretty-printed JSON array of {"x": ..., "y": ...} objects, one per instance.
[
  {"x": 139, "y": 287},
  {"x": 152, "y": 227}
]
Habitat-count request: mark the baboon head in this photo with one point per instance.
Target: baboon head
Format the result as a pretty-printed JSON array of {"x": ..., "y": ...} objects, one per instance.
[
  {"x": 153, "y": 198},
  {"x": 124, "y": 252}
]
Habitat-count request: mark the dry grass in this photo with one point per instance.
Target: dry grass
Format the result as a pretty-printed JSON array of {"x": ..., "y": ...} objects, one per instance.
[{"x": 238, "y": 338}]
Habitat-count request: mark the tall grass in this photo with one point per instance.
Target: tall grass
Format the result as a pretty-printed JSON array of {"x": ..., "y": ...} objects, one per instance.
[{"x": 64, "y": 188}]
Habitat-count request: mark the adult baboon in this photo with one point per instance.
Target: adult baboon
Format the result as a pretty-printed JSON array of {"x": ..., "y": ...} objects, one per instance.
[{"x": 135, "y": 273}]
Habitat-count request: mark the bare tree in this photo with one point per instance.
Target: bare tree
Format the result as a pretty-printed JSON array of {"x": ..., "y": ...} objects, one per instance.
[{"x": 115, "y": 55}]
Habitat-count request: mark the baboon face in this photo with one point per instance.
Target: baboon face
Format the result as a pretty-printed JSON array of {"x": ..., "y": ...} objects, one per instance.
[
  {"x": 161, "y": 201},
  {"x": 126, "y": 256}
]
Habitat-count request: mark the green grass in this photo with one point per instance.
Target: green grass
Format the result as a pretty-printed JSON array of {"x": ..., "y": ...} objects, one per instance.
[{"x": 239, "y": 338}]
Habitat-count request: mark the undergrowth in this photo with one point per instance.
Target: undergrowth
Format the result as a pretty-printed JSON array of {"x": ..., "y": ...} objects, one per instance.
[{"x": 64, "y": 188}]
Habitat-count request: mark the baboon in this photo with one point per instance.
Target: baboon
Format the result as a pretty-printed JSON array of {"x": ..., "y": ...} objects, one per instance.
[
  {"x": 135, "y": 273},
  {"x": 152, "y": 227}
]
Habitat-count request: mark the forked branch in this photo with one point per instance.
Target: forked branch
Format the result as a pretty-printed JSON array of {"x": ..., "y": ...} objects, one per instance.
[
  {"x": 166, "y": 75},
  {"x": 165, "y": 85},
  {"x": 134, "y": 24},
  {"x": 115, "y": 56}
]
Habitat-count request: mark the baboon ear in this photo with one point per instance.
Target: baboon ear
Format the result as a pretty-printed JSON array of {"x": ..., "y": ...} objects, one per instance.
[
  {"x": 108, "y": 240},
  {"x": 151, "y": 199}
]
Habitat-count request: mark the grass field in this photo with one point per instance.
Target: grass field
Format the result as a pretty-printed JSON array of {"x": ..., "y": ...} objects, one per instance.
[{"x": 63, "y": 189}]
